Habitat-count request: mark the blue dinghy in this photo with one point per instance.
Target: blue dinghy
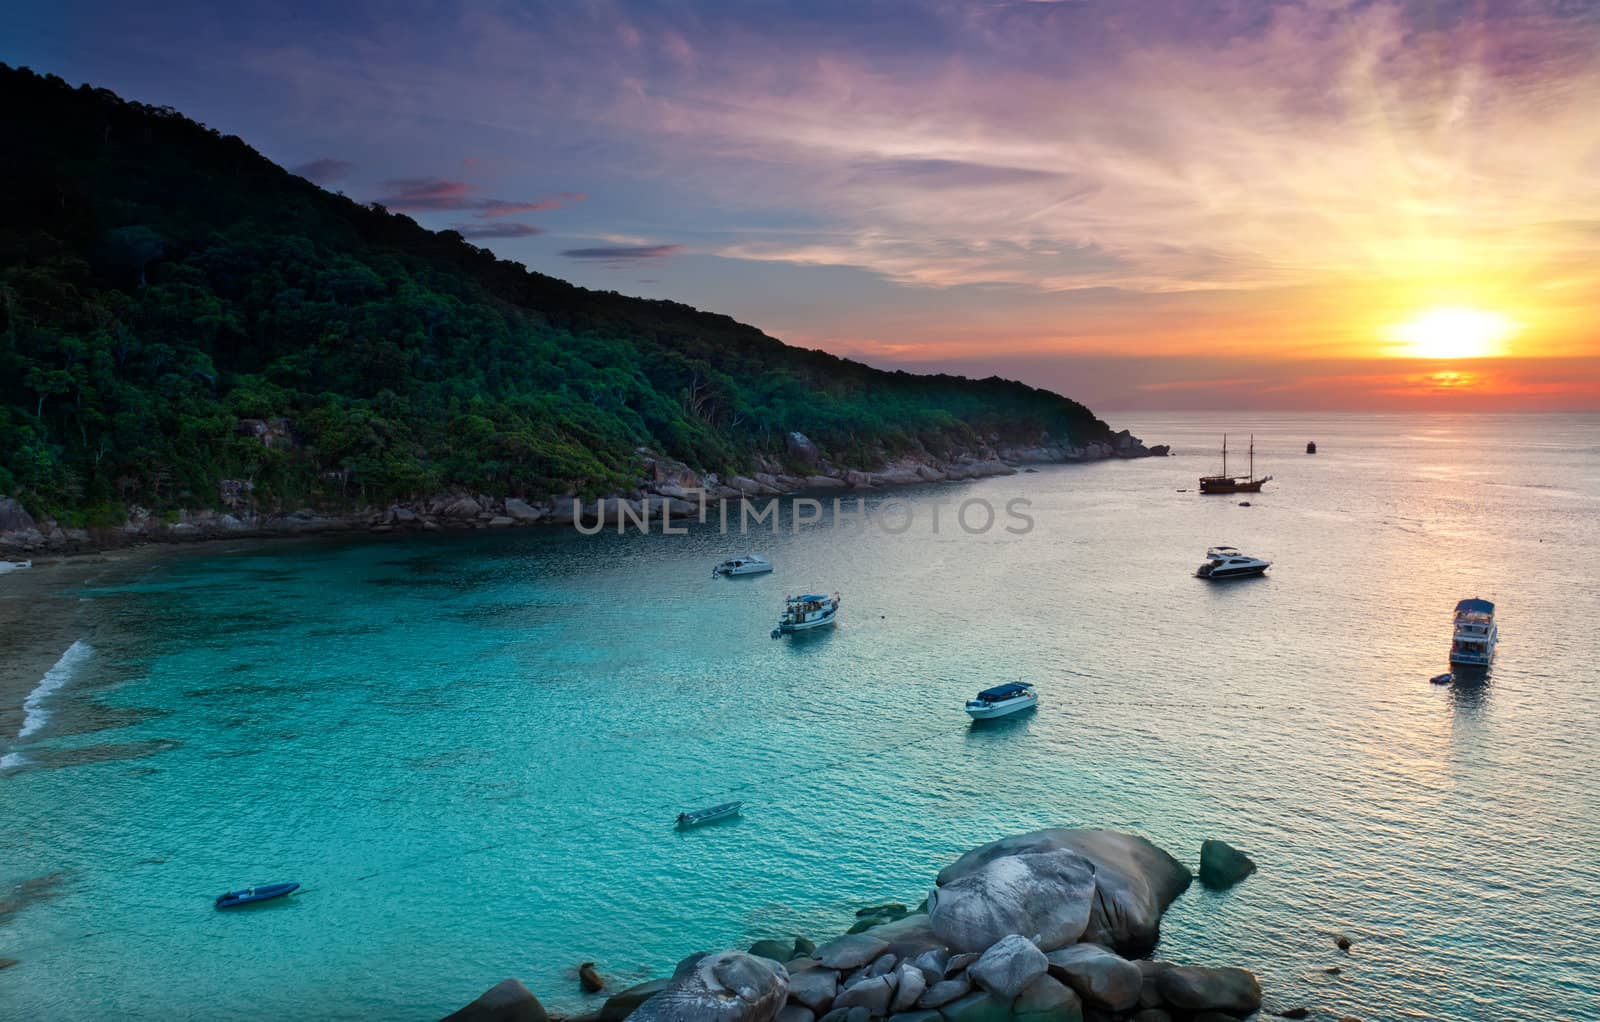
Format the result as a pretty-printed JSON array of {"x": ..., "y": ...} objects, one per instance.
[{"x": 251, "y": 895}]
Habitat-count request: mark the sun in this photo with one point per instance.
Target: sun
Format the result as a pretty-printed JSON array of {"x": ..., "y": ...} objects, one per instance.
[{"x": 1453, "y": 331}]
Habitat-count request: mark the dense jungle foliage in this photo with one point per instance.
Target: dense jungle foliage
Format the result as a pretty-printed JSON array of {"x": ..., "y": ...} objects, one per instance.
[{"x": 163, "y": 285}]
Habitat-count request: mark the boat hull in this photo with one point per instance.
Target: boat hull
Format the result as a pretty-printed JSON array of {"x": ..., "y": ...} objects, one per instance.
[
  {"x": 989, "y": 711},
  {"x": 806, "y": 626},
  {"x": 1220, "y": 485},
  {"x": 733, "y": 572},
  {"x": 255, "y": 895},
  {"x": 1254, "y": 571},
  {"x": 688, "y": 821}
]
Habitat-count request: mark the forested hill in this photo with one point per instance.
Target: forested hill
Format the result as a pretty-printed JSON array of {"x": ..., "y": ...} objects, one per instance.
[{"x": 163, "y": 286}]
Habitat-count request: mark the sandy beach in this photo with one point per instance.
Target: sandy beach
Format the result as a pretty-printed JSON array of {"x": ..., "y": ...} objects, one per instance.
[{"x": 41, "y": 617}]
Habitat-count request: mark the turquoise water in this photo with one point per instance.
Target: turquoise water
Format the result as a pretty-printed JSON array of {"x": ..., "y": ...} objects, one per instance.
[{"x": 469, "y": 749}]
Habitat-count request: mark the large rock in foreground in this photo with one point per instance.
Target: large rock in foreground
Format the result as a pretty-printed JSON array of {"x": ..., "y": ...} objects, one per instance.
[
  {"x": 1009, "y": 967},
  {"x": 1133, "y": 882},
  {"x": 1044, "y": 894},
  {"x": 506, "y": 1001},
  {"x": 727, "y": 987},
  {"x": 1194, "y": 989},
  {"x": 1100, "y": 977}
]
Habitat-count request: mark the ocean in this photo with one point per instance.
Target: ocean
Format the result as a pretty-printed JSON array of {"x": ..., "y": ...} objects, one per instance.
[{"x": 470, "y": 749}]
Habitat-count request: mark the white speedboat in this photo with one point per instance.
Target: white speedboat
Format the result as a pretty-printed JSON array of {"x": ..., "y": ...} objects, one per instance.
[
  {"x": 1002, "y": 700},
  {"x": 803, "y": 613},
  {"x": 744, "y": 564},
  {"x": 1223, "y": 562},
  {"x": 9, "y": 566},
  {"x": 1475, "y": 637}
]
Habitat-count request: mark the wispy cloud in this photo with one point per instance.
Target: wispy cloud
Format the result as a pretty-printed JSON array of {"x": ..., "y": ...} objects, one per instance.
[
  {"x": 484, "y": 232},
  {"x": 427, "y": 194},
  {"x": 623, "y": 253},
  {"x": 325, "y": 170}
]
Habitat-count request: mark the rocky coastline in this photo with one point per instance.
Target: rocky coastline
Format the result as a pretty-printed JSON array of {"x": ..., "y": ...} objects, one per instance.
[
  {"x": 665, "y": 487},
  {"x": 1056, "y": 925}
]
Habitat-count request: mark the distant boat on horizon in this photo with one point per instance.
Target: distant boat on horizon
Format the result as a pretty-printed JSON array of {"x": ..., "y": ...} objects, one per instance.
[
  {"x": 1226, "y": 483},
  {"x": 1311, "y": 448}
]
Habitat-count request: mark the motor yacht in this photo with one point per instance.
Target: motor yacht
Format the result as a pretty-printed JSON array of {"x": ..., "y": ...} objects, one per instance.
[
  {"x": 1472, "y": 645},
  {"x": 1224, "y": 562},
  {"x": 744, "y": 564}
]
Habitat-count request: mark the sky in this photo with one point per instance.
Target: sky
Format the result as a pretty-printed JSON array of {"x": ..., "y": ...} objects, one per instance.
[{"x": 1185, "y": 204}]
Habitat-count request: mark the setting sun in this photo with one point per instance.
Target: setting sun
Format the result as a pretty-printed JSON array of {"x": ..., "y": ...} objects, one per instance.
[{"x": 1453, "y": 332}]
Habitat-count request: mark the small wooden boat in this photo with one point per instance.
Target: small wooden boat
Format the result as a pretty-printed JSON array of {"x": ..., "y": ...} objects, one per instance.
[
  {"x": 1442, "y": 679},
  {"x": 1311, "y": 448},
  {"x": 251, "y": 895},
  {"x": 710, "y": 814}
]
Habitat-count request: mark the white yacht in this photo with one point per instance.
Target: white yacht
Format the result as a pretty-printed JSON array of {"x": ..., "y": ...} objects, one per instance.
[
  {"x": 1002, "y": 700},
  {"x": 1224, "y": 562},
  {"x": 744, "y": 564},
  {"x": 803, "y": 613},
  {"x": 1475, "y": 637}
]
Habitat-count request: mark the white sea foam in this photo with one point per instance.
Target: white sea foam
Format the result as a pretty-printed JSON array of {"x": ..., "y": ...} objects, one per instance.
[{"x": 35, "y": 715}]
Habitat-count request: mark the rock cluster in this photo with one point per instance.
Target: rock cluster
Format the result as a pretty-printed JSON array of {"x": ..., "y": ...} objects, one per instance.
[
  {"x": 1079, "y": 902},
  {"x": 664, "y": 486}
]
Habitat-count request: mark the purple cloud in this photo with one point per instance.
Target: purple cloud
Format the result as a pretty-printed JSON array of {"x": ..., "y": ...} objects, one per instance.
[
  {"x": 931, "y": 173},
  {"x": 511, "y": 230},
  {"x": 623, "y": 253},
  {"x": 427, "y": 194},
  {"x": 323, "y": 171}
]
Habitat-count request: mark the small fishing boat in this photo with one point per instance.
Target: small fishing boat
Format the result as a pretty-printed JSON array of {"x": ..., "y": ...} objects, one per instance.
[
  {"x": 1442, "y": 679},
  {"x": 1002, "y": 700},
  {"x": 802, "y": 613},
  {"x": 744, "y": 564},
  {"x": 1224, "y": 562},
  {"x": 710, "y": 814},
  {"x": 9, "y": 566},
  {"x": 1311, "y": 448},
  {"x": 250, "y": 895}
]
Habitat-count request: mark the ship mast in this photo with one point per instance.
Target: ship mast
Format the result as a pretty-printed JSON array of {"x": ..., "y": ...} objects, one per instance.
[
  {"x": 1224, "y": 454},
  {"x": 1252, "y": 457}
]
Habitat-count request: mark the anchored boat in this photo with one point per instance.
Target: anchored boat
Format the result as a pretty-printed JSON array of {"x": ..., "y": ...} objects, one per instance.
[
  {"x": 803, "y": 613},
  {"x": 250, "y": 895},
  {"x": 1472, "y": 646},
  {"x": 1226, "y": 483},
  {"x": 744, "y": 564},
  {"x": 1224, "y": 562},
  {"x": 1002, "y": 700},
  {"x": 710, "y": 814}
]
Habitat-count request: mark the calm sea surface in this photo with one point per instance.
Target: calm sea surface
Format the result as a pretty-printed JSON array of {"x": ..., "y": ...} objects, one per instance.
[{"x": 470, "y": 749}]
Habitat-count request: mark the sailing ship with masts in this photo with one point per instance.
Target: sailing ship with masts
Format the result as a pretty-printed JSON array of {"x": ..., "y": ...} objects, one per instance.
[{"x": 1226, "y": 483}]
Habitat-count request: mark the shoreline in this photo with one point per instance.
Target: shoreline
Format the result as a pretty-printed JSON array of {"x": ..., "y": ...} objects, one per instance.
[
  {"x": 666, "y": 487},
  {"x": 40, "y": 622}
]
